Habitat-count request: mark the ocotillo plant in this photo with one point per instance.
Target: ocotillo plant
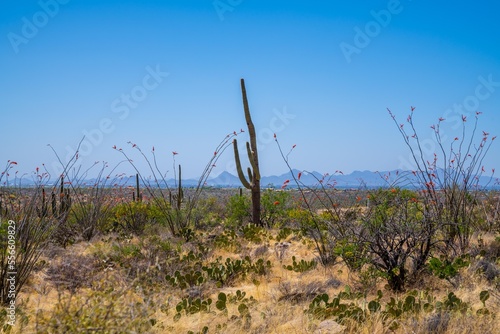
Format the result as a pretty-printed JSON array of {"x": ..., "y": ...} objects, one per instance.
[{"x": 253, "y": 182}]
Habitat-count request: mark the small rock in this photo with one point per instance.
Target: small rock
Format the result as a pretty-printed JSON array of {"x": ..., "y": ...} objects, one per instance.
[{"x": 329, "y": 327}]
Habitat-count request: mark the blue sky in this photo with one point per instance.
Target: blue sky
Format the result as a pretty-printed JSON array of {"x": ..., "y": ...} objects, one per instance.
[{"x": 319, "y": 74}]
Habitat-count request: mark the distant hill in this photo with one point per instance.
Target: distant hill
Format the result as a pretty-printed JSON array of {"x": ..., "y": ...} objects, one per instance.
[
  {"x": 224, "y": 179},
  {"x": 356, "y": 179}
]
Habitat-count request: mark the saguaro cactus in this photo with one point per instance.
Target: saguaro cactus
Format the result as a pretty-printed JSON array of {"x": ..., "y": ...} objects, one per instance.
[
  {"x": 176, "y": 199},
  {"x": 253, "y": 182},
  {"x": 180, "y": 193},
  {"x": 137, "y": 196},
  {"x": 64, "y": 199},
  {"x": 42, "y": 212}
]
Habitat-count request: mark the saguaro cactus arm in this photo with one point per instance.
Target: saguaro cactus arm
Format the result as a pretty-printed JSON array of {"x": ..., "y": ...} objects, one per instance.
[{"x": 243, "y": 180}]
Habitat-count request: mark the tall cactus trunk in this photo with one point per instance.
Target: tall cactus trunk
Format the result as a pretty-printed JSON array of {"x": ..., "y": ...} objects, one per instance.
[
  {"x": 180, "y": 194},
  {"x": 253, "y": 182},
  {"x": 256, "y": 203},
  {"x": 137, "y": 196}
]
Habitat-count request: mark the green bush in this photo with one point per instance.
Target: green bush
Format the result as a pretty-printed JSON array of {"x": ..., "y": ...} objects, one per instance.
[
  {"x": 274, "y": 204},
  {"x": 352, "y": 253},
  {"x": 207, "y": 212},
  {"x": 398, "y": 236},
  {"x": 238, "y": 209},
  {"x": 132, "y": 217}
]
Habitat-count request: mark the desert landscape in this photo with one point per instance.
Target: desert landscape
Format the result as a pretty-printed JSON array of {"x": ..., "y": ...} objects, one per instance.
[{"x": 232, "y": 166}]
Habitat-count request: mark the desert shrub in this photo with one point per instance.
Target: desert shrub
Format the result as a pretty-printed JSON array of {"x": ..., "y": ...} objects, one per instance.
[
  {"x": 449, "y": 183},
  {"x": 146, "y": 262},
  {"x": 84, "y": 222},
  {"x": 352, "y": 253},
  {"x": 73, "y": 272},
  {"x": 274, "y": 207},
  {"x": 88, "y": 203},
  {"x": 487, "y": 269},
  {"x": 106, "y": 308},
  {"x": 238, "y": 209},
  {"x": 176, "y": 210},
  {"x": 299, "y": 218},
  {"x": 93, "y": 217},
  {"x": 133, "y": 217},
  {"x": 21, "y": 322},
  {"x": 397, "y": 235},
  {"x": 490, "y": 212},
  {"x": 23, "y": 237},
  {"x": 207, "y": 212}
]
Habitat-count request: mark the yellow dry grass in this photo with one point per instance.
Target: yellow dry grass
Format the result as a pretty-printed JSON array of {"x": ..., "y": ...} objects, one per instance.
[{"x": 274, "y": 311}]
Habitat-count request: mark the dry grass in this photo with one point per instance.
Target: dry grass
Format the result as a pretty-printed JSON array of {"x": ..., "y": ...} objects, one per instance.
[{"x": 281, "y": 296}]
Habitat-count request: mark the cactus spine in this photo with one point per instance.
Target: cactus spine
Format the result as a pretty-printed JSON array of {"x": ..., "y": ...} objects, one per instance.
[{"x": 253, "y": 182}]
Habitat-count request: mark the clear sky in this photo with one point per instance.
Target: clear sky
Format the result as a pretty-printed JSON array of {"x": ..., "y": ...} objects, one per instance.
[{"x": 319, "y": 74}]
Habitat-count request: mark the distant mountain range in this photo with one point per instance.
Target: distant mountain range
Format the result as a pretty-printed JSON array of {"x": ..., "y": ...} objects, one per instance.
[{"x": 356, "y": 179}]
